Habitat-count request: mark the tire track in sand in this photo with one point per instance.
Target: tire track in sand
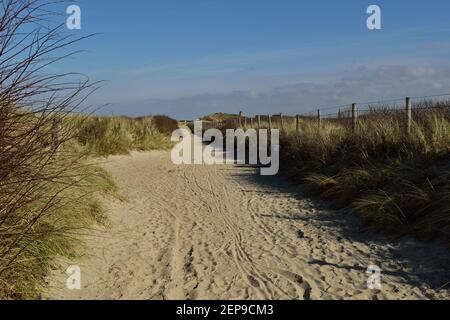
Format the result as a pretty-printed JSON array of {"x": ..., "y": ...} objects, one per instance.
[{"x": 222, "y": 232}]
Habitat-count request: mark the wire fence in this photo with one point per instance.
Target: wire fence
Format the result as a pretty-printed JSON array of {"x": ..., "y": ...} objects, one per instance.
[{"x": 405, "y": 109}]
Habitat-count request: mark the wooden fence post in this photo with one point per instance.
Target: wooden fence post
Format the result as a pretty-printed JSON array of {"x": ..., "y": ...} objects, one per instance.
[
  {"x": 269, "y": 118},
  {"x": 251, "y": 122},
  {"x": 297, "y": 119},
  {"x": 240, "y": 118},
  {"x": 408, "y": 119},
  {"x": 259, "y": 122},
  {"x": 319, "y": 119},
  {"x": 281, "y": 122},
  {"x": 354, "y": 117},
  {"x": 245, "y": 122}
]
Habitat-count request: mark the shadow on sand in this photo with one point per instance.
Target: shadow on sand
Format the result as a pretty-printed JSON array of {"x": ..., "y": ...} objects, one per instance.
[{"x": 417, "y": 263}]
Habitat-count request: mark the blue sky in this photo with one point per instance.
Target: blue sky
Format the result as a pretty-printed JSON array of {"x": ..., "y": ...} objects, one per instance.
[{"x": 186, "y": 58}]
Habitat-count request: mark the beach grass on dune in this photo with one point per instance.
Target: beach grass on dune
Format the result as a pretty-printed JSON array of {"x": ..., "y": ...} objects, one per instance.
[
  {"x": 46, "y": 219},
  {"x": 109, "y": 135},
  {"x": 399, "y": 183},
  {"x": 51, "y": 198}
]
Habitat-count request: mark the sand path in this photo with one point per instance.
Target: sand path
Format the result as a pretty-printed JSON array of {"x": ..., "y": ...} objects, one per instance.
[{"x": 224, "y": 232}]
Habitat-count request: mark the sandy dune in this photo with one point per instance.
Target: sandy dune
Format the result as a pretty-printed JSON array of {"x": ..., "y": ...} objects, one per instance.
[{"x": 224, "y": 232}]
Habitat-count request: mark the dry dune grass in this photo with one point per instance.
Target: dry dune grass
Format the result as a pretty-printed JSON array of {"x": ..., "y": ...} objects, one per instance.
[
  {"x": 399, "y": 183},
  {"x": 49, "y": 188},
  {"x": 108, "y": 135}
]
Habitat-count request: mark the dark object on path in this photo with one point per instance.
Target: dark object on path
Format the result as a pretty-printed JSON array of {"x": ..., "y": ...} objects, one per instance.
[{"x": 300, "y": 234}]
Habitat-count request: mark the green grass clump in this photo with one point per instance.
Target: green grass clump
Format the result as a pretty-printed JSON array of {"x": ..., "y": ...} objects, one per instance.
[
  {"x": 50, "y": 225},
  {"x": 398, "y": 183},
  {"x": 108, "y": 135},
  {"x": 50, "y": 193}
]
